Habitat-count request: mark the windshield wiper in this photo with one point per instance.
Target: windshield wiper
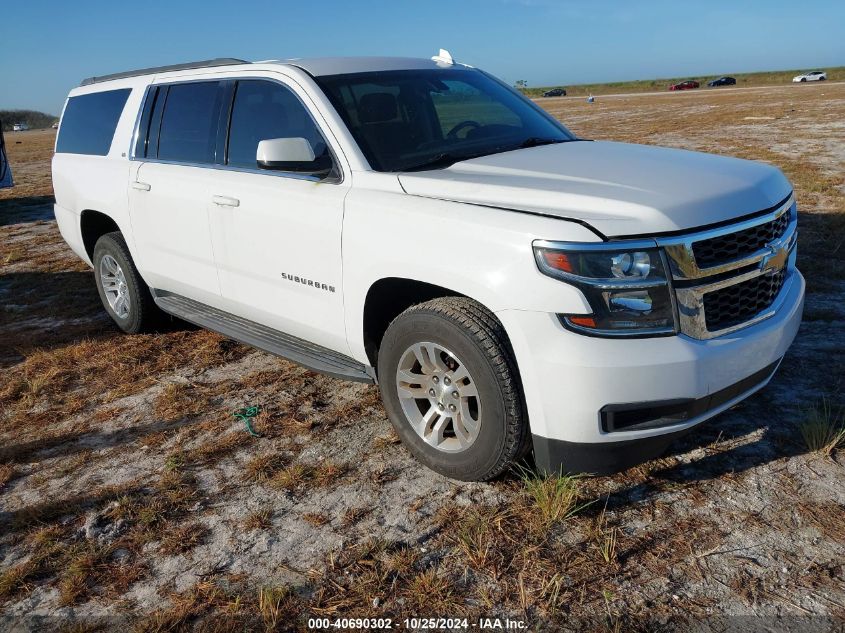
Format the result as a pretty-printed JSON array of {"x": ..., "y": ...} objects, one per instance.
[
  {"x": 447, "y": 159},
  {"x": 536, "y": 141},
  {"x": 444, "y": 159}
]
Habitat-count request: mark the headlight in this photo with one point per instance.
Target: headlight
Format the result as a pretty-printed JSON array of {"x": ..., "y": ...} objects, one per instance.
[{"x": 626, "y": 285}]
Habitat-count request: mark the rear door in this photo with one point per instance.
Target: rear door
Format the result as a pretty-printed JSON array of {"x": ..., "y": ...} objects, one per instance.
[{"x": 170, "y": 188}]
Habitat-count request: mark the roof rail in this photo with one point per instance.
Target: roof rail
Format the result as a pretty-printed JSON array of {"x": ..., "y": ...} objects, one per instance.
[{"x": 207, "y": 63}]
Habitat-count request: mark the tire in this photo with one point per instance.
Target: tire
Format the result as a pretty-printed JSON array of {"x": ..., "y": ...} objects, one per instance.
[
  {"x": 141, "y": 313},
  {"x": 465, "y": 335}
]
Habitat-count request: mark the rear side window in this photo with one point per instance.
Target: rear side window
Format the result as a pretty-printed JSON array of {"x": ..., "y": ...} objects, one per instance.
[
  {"x": 188, "y": 130},
  {"x": 89, "y": 122}
]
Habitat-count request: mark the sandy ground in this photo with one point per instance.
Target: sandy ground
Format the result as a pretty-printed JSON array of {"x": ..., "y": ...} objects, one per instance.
[{"x": 130, "y": 496}]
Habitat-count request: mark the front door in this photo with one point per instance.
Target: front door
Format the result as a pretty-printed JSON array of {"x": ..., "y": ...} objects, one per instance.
[{"x": 277, "y": 235}]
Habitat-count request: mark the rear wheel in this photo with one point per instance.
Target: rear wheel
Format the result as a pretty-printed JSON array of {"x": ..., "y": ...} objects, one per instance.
[
  {"x": 124, "y": 294},
  {"x": 451, "y": 388}
]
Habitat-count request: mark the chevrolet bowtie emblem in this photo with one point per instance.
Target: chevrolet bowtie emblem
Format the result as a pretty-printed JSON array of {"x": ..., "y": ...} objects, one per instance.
[{"x": 775, "y": 260}]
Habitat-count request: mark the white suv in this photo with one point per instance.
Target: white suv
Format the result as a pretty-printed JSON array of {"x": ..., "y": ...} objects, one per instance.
[{"x": 421, "y": 224}]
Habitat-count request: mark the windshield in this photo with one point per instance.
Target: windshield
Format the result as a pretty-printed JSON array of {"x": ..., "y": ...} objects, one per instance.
[{"x": 427, "y": 119}]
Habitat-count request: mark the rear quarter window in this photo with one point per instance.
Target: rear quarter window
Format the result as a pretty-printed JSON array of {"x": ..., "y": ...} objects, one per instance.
[{"x": 89, "y": 122}]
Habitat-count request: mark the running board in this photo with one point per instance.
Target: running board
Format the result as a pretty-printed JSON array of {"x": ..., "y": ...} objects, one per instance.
[{"x": 299, "y": 351}]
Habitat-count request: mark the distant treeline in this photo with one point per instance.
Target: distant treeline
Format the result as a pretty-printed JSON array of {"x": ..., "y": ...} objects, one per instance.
[{"x": 33, "y": 119}]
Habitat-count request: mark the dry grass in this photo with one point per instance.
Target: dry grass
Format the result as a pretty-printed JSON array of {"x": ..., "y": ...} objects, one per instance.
[
  {"x": 824, "y": 428},
  {"x": 317, "y": 519},
  {"x": 181, "y": 400},
  {"x": 329, "y": 473},
  {"x": 384, "y": 441},
  {"x": 58, "y": 382},
  {"x": 46, "y": 552},
  {"x": 474, "y": 536},
  {"x": 605, "y": 538},
  {"x": 226, "y": 605},
  {"x": 184, "y": 538},
  {"x": 552, "y": 497},
  {"x": 263, "y": 467},
  {"x": 293, "y": 478},
  {"x": 275, "y": 605},
  {"x": 85, "y": 567},
  {"x": 260, "y": 520},
  {"x": 88, "y": 566},
  {"x": 7, "y": 473},
  {"x": 218, "y": 447},
  {"x": 298, "y": 477},
  {"x": 353, "y": 516}
]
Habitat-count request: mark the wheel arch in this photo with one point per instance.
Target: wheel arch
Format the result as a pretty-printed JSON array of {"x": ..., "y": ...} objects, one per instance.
[
  {"x": 93, "y": 225},
  {"x": 386, "y": 299}
]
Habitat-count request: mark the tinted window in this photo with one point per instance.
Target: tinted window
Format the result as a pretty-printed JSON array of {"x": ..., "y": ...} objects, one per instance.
[
  {"x": 142, "y": 142},
  {"x": 189, "y": 122},
  {"x": 89, "y": 122},
  {"x": 263, "y": 110}
]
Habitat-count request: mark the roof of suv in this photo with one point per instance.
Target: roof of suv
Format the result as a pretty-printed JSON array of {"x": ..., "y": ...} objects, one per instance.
[{"x": 316, "y": 66}]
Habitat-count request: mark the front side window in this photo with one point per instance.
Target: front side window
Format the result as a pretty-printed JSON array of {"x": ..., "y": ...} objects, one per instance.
[
  {"x": 265, "y": 110},
  {"x": 89, "y": 122},
  {"x": 188, "y": 130},
  {"x": 424, "y": 119}
]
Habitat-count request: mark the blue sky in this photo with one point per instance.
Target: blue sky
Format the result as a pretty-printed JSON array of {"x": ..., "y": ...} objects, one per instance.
[{"x": 47, "y": 47}]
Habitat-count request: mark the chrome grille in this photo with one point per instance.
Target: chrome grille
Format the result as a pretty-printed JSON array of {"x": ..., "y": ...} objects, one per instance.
[
  {"x": 740, "y": 302},
  {"x": 731, "y": 277},
  {"x": 725, "y": 248}
]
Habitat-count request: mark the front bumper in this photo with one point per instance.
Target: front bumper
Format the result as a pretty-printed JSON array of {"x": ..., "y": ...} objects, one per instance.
[{"x": 571, "y": 381}]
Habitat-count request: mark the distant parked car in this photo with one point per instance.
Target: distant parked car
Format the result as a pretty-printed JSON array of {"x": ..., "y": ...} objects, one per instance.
[
  {"x": 816, "y": 75},
  {"x": 684, "y": 85},
  {"x": 555, "y": 92},
  {"x": 722, "y": 81},
  {"x": 19, "y": 127},
  {"x": 55, "y": 125}
]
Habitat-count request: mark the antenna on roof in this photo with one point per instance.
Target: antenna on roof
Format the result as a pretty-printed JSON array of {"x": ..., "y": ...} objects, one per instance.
[{"x": 443, "y": 57}]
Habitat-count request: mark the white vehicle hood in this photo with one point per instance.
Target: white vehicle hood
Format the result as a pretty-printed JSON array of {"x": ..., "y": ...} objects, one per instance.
[{"x": 620, "y": 189}]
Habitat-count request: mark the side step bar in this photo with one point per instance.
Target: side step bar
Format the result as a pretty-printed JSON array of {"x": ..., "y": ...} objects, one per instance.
[{"x": 295, "y": 349}]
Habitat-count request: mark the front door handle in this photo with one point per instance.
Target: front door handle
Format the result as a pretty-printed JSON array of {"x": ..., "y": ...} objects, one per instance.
[
  {"x": 140, "y": 186},
  {"x": 225, "y": 201}
]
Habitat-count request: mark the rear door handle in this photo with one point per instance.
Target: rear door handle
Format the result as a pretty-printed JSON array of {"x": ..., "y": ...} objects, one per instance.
[
  {"x": 225, "y": 201},
  {"x": 140, "y": 186}
]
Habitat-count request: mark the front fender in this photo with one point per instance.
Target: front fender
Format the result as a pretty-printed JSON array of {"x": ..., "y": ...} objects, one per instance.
[{"x": 480, "y": 252}]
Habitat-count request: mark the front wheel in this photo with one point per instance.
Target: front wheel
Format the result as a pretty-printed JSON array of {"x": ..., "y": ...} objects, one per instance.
[
  {"x": 451, "y": 388},
  {"x": 124, "y": 294}
]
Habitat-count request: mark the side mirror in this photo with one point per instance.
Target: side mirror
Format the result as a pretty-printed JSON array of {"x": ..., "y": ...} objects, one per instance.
[{"x": 290, "y": 154}]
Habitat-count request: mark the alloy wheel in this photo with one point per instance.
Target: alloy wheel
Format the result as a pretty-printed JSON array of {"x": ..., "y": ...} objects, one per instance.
[
  {"x": 439, "y": 397},
  {"x": 114, "y": 286}
]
